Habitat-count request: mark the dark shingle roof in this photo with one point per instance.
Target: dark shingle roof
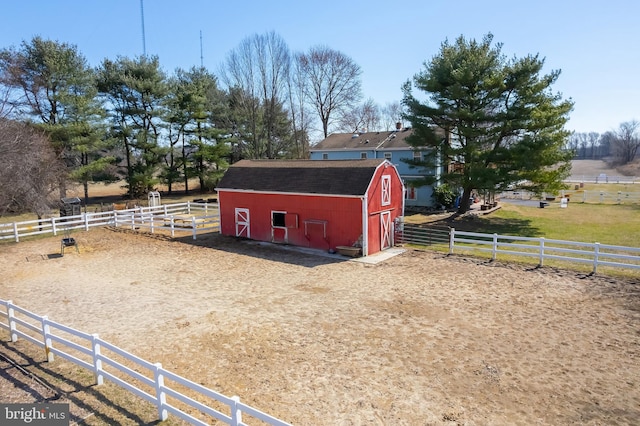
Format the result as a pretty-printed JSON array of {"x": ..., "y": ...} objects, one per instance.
[
  {"x": 369, "y": 140},
  {"x": 332, "y": 177}
]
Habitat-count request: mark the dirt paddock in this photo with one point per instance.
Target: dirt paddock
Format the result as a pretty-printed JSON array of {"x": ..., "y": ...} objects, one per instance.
[{"x": 419, "y": 339}]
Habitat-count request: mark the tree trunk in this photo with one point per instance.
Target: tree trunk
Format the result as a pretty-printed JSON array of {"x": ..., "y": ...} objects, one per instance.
[{"x": 463, "y": 207}]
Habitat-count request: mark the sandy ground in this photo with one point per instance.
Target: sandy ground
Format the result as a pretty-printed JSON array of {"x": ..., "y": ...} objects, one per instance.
[{"x": 419, "y": 339}]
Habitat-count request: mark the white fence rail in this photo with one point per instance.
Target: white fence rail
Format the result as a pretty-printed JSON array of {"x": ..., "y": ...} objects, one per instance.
[
  {"x": 106, "y": 361},
  {"x": 603, "y": 179},
  {"x": 595, "y": 254},
  {"x": 186, "y": 217},
  {"x": 597, "y": 197}
]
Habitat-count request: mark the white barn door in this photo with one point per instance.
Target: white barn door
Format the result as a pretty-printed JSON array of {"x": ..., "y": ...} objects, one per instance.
[
  {"x": 243, "y": 228},
  {"x": 386, "y": 231}
]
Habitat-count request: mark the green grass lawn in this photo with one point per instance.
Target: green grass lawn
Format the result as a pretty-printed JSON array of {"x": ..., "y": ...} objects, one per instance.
[
  {"x": 603, "y": 223},
  {"x": 606, "y": 224}
]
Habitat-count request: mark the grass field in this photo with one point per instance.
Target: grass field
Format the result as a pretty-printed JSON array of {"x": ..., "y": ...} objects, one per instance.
[{"x": 607, "y": 224}]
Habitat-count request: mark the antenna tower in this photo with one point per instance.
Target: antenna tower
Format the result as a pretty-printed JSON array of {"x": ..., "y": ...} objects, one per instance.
[
  {"x": 201, "y": 57},
  {"x": 144, "y": 44}
]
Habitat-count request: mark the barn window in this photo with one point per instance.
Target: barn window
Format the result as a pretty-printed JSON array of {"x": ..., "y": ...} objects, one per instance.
[
  {"x": 387, "y": 156},
  {"x": 363, "y": 155},
  {"x": 325, "y": 156},
  {"x": 284, "y": 220},
  {"x": 386, "y": 190},
  {"x": 277, "y": 219}
]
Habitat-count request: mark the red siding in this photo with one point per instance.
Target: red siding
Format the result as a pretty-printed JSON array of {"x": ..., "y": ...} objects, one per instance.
[
  {"x": 375, "y": 207},
  {"x": 341, "y": 216}
]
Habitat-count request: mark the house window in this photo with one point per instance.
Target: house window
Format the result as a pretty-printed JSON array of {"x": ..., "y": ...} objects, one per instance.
[
  {"x": 363, "y": 155},
  {"x": 325, "y": 156},
  {"x": 387, "y": 156},
  {"x": 417, "y": 156},
  {"x": 386, "y": 190},
  {"x": 412, "y": 193}
]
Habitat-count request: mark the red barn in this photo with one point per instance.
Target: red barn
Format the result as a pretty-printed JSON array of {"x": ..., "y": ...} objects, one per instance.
[{"x": 317, "y": 204}]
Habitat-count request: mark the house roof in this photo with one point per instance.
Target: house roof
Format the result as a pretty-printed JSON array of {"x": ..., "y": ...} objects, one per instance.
[
  {"x": 368, "y": 140},
  {"x": 329, "y": 177}
]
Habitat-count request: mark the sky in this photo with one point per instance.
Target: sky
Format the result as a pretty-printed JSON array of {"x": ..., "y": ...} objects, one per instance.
[{"x": 595, "y": 44}]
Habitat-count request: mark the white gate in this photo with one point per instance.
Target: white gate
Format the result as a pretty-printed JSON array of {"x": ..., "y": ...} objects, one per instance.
[{"x": 243, "y": 228}]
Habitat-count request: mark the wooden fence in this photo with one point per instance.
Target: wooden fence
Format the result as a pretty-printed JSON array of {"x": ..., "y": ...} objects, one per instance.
[
  {"x": 180, "y": 217},
  {"x": 542, "y": 249},
  {"x": 147, "y": 380}
]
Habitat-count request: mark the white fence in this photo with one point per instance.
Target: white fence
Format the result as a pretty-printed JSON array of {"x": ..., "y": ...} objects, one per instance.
[
  {"x": 186, "y": 217},
  {"x": 107, "y": 361},
  {"x": 603, "y": 179},
  {"x": 599, "y": 197},
  {"x": 595, "y": 254},
  {"x": 602, "y": 197}
]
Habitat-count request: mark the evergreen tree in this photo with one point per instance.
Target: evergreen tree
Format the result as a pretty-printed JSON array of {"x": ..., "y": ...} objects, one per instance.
[
  {"x": 488, "y": 121},
  {"x": 135, "y": 90},
  {"x": 198, "y": 116}
]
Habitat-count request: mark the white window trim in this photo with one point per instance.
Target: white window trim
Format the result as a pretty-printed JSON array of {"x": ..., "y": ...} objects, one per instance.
[{"x": 386, "y": 190}]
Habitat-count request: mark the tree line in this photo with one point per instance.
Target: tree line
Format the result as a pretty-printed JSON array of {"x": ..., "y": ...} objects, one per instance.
[
  {"x": 481, "y": 121},
  {"x": 129, "y": 119},
  {"x": 620, "y": 145}
]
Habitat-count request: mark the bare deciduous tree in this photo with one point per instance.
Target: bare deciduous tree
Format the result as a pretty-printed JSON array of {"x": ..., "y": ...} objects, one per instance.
[
  {"x": 362, "y": 118},
  {"x": 256, "y": 73},
  {"x": 626, "y": 141},
  {"x": 391, "y": 114},
  {"x": 300, "y": 118},
  {"x": 334, "y": 85},
  {"x": 30, "y": 172}
]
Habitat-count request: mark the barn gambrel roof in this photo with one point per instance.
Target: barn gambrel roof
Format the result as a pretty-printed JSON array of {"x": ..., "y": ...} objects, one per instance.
[{"x": 328, "y": 177}]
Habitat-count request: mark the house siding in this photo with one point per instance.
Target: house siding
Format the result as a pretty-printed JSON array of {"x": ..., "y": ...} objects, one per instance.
[{"x": 407, "y": 174}]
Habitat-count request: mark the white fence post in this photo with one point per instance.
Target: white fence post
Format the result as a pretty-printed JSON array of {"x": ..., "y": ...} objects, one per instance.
[
  {"x": 161, "y": 396},
  {"x": 86, "y": 222},
  {"x": 236, "y": 414},
  {"x": 494, "y": 251},
  {"x": 596, "y": 251},
  {"x": 193, "y": 225},
  {"x": 541, "y": 258},
  {"x": 15, "y": 232},
  {"x": 452, "y": 236},
  {"x": 97, "y": 362},
  {"x": 584, "y": 197},
  {"x": 46, "y": 338},
  {"x": 11, "y": 313},
  {"x": 53, "y": 226}
]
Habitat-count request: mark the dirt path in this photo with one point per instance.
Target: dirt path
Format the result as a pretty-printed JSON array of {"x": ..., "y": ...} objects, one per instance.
[{"x": 417, "y": 339}]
